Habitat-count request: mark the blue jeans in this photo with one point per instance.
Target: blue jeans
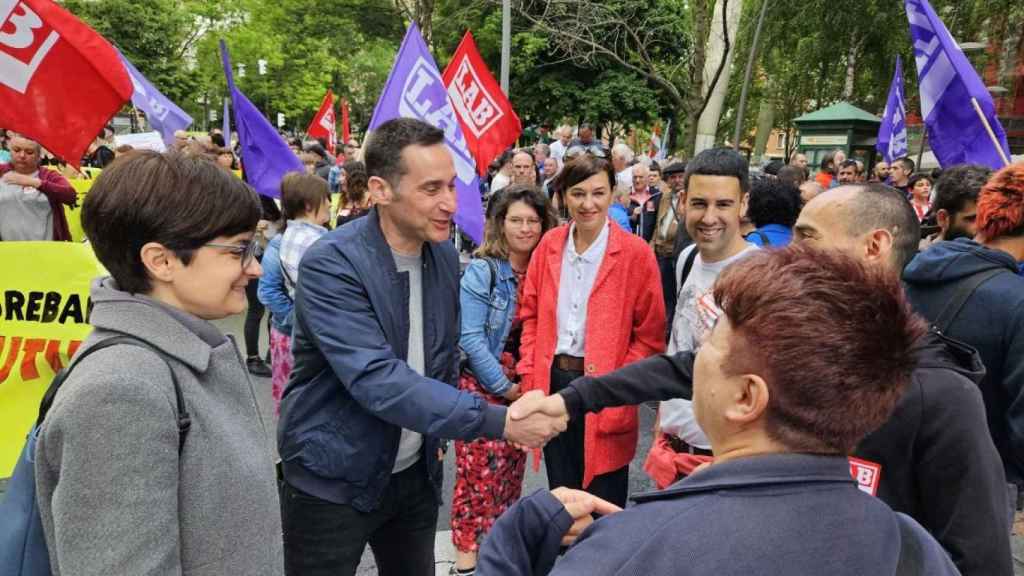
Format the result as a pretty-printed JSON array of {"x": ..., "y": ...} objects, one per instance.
[{"x": 322, "y": 538}]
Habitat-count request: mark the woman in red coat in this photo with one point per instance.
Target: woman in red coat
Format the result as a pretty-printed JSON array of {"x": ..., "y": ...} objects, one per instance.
[{"x": 591, "y": 303}]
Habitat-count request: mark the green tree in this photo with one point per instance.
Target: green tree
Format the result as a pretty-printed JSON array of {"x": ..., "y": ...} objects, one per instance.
[{"x": 155, "y": 35}]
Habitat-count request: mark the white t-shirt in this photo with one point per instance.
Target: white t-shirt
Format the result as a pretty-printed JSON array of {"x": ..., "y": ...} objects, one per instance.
[
  {"x": 500, "y": 181},
  {"x": 25, "y": 213},
  {"x": 694, "y": 317},
  {"x": 558, "y": 151},
  {"x": 625, "y": 178}
]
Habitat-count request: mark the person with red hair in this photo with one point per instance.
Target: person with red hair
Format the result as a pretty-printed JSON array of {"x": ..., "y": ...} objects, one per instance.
[
  {"x": 972, "y": 290},
  {"x": 783, "y": 393}
]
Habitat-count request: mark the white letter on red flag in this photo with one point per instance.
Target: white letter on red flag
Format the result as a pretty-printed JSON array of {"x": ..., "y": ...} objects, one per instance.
[
  {"x": 488, "y": 121},
  {"x": 323, "y": 124},
  {"x": 60, "y": 81}
]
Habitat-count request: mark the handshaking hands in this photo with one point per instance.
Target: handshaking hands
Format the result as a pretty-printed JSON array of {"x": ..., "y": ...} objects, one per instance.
[{"x": 534, "y": 419}]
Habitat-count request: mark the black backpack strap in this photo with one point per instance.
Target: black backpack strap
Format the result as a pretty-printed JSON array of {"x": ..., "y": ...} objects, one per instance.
[
  {"x": 687, "y": 266},
  {"x": 764, "y": 237},
  {"x": 184, "y": 420},
  {"x": 963, "y": 293},
  {"x": 494, "y": 276}
]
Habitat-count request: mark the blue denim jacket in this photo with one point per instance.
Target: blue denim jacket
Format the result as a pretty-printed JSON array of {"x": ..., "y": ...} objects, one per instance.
[
  {"x": 272, "y": 291},
  {"x": 487, "y": 320}
]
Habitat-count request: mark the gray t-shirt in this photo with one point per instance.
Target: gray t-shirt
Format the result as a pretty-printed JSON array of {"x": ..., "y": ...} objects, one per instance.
[
  {"x": 25, "y": 213},
  {"x": 695, "y": 316},
  {"x": 411, "y": 442}
]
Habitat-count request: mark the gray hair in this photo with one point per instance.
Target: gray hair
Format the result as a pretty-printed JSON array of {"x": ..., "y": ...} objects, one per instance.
[{"x": 622, "y": 150}]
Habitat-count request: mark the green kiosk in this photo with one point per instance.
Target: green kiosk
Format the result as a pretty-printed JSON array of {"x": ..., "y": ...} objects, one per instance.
[{"x": 840, "y": 126}]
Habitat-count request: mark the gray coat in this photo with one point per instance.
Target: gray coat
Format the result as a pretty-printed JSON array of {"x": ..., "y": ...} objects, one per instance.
[{"x": 114, "y": 495}]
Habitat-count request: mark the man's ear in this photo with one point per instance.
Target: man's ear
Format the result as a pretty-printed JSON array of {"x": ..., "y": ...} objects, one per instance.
[
  {"x": 749, "y": 400},
  {"x": 942, "y": 218},
  {"x": 878, "y": 245},
  {"x": 159, "y": 261},
  {"x": 380, "y": 190}
]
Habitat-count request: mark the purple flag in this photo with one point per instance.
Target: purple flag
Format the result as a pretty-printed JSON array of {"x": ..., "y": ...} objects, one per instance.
[
  {"x": 948, "y": 84},
  {"x": 892, "y": 134},
  {"x": 163, "y": 115},
  {"x": 415, "y": 90},
  {"x": 266, "y": 157}
]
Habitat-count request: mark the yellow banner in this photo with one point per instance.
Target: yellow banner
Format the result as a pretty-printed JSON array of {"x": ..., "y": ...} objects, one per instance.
[
  {"x": 74, "y": 215},
  {"x": 44, "y": 307}
]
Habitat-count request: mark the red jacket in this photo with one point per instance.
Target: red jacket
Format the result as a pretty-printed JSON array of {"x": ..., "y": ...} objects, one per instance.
[
  {"x": 58, "y": 191},
  {"x": 625, "y": 322}
]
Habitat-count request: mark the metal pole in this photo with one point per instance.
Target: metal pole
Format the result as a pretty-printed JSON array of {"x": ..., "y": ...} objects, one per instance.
[
  {"x": 746, "y": 77},
  {"x": 991, "y": 134},
  {"x": 920, "y": 151},
  {"x": 506, "y": 42}
]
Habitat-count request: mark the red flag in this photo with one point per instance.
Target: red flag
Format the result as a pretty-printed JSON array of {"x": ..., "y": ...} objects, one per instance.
[
  {"x": 346, "y": 131},
  {"x": 323, "y": 125},
  {"x": 60, "y": 81},
  {"x": 489, "y": 123}
]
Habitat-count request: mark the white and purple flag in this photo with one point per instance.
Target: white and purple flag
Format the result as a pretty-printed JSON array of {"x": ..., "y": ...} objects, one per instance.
[
  {"x": 892, "y": 134},
  {"x": 415, "y": 89},
  {"x": 948, "y": 83},
  {"x": 163, "y": 115}
]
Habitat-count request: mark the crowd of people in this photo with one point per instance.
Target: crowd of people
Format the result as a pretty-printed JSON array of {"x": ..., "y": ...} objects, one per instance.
[{"x": 791, "y": 327}]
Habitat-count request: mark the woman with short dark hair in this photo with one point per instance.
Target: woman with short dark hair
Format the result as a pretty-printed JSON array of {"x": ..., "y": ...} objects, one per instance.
[
  {"x": 591, "y": 303},
  {"x": 123, "y": 486}
]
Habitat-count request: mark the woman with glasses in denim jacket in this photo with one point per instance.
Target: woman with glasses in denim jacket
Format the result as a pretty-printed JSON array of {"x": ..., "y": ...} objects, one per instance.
[{"x": 489, "y": 473}]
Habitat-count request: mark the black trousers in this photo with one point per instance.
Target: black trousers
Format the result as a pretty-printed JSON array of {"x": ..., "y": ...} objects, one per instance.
[
  {"x": 252, "y": 319},
  {"x": 563, "y": 456},
  {"x": 322, "y": 538}
]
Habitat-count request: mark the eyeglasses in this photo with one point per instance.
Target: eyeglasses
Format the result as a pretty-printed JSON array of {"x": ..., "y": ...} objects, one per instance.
[
  {"x": 518, "y": 222},
  {"x": 245, "y": 251},
  {"x": 592, "y": 149}
]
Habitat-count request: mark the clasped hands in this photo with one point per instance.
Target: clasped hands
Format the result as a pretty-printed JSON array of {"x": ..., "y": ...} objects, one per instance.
[{"x": 534, "y": 419}]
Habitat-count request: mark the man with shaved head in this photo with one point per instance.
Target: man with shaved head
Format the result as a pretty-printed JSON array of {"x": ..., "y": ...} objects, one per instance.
[{"x": 31, "y": 197}]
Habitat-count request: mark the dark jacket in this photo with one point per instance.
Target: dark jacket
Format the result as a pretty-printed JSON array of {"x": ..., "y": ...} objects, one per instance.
[
  {"x": 793, "y": 514},
  {"x": 101, "y": 157},
  {"x": 938, "y": 464},
  {"x": 351, "y": 391},
  {"x": 645, "y": 222},
  {"x": 991, "y": 321}
]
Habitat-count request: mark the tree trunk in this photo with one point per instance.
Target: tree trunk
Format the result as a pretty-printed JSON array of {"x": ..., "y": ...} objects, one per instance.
[
  {"x": 688, "y": 112},
  {"x": 765, "y": 123},
  {"x": 851, "y": 69},
  {"x": 425, "y": 19},
  {"x": 719, "y": 49}
]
